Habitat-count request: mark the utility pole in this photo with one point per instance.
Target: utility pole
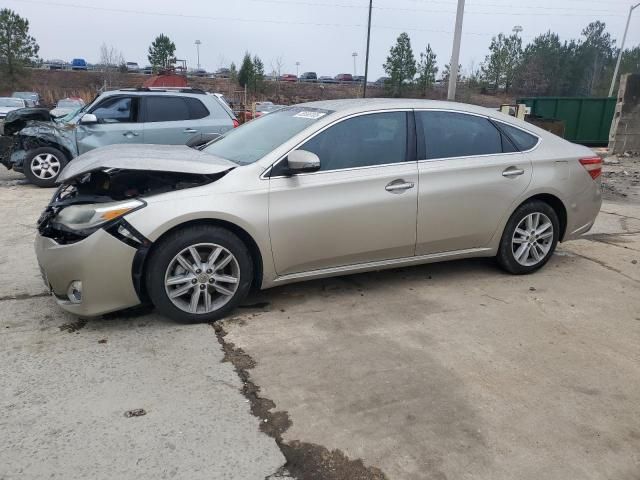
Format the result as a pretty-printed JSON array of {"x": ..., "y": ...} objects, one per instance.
[
  {"x": 366, "y": 62},
  {"x": 624, "y": 37},
  {"x": 297, "y": 71},
  {"x": 198, "y": 43},
  {"x": 354, "y": 55},
  {"x": 455, "y": 54},
  {"x": 517, "y": 29}
]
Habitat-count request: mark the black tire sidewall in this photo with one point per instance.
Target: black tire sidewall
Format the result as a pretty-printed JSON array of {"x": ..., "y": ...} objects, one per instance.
[
  {"x": 32, "y": 177},
  {"x": 179, "y": 240},
  {"x": 505, "y": 256}
]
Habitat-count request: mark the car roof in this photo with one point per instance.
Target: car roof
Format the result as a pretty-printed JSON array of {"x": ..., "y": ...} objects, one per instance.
[{"x": 352, "y": 106}]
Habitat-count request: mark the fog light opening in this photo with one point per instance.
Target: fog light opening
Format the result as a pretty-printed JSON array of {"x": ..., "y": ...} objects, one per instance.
[{"x": 74, "y": 292}]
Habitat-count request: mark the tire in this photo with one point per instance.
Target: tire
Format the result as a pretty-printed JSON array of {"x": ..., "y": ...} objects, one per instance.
[
  {"x": 521, "y": 252},
  {"x": 190, "y": 282},
  {"x": 50, "y": 161}
]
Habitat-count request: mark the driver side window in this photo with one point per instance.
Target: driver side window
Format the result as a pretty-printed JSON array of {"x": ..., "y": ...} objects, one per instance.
[
  {"x": 116, "y": 110},
  {"x": 362, "y": 141}
]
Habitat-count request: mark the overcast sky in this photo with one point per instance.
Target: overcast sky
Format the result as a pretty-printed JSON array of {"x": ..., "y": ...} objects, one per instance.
[{"x": 321, "y": 35}]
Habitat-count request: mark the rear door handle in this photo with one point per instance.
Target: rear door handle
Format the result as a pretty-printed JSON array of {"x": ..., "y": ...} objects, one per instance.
[
  {"x": 130, "y": 134},
  {"x": 512, "y": 172},
  {"x": 190, "y": 130},
  {"x": 399, "y": 186}
]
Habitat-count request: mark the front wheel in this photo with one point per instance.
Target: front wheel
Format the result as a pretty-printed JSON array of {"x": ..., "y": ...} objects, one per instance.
[
  {"x": 199, "y": 274},
  {"x": 529, "y": 239},
  {"x": 42, "y": 166}
]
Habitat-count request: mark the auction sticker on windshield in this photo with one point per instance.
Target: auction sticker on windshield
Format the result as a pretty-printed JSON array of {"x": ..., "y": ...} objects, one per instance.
[{"x": 311, "y": 115}]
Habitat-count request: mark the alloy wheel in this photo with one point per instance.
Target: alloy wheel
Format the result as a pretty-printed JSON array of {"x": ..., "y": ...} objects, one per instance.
[
  {"x": 532, "y": 239},
  {"x": 45, "y": 166},
  {"x": 202, "y": 278}
]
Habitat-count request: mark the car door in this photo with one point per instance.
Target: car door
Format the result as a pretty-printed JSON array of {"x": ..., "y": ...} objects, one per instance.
[
  {"x": 173, "y": 120},
  {"x": 470, "y": 175},
  {"x": 117, "y": 123},
  {"x": 359, "y": 207}
]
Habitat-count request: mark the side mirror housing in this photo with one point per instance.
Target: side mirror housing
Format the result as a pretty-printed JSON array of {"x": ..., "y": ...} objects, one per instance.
[
  {"x": 88, "y": 119},
  {"x": 302, "y": 161}
]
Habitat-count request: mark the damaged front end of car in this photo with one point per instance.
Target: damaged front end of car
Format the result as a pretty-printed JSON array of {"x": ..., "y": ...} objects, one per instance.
[
  {"x": 32, "y": 128},
  {"x": 100, "y": 200}
]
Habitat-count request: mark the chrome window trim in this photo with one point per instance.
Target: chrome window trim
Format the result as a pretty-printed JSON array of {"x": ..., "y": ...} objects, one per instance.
[
  {"x": 265, "y": 174},
  {"x": 492, "y": 119}
]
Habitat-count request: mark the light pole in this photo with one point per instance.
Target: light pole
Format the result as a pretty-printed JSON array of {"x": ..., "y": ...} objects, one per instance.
[
  {"x": 624, "y": 37},
  {"x": 354, "y": 55},
  {"x": 198, "y": 43},
  {"x": 297, "y": 71},
  {"x": 366, "y": 62},
  {"x": 455, "y": 54}
]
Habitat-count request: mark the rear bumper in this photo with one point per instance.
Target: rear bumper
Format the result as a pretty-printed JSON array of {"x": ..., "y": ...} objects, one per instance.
[
  {"x": 582, "y": 212},
  {"x": 101, "y": 262}
]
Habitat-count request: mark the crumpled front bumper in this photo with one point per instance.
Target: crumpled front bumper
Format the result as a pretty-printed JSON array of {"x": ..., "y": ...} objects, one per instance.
[{"x": 101, "y": 262}]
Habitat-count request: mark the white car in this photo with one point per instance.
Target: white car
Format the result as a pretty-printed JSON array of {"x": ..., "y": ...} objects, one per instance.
[
  {"x": 67, "y": 106},
  {"x": 8, "y": 104}
]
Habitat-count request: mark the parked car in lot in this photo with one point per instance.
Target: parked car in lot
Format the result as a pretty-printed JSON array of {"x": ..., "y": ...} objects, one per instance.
[
  {"x": 67, "y": 106},
  {"x": 56, "y": 64},
  {"x": 358, "y": 79},
  {"x": 41, "y": 149},
  {"x": 344, "y": 78},
  {"x": 132, "y": 67},
  {"x": 32, "y": 98},
  {"x": 223, "y": 73},
  {"x": 326, "y": 79},
  {"x": 288, "y": 77},
  {"x": 9, "y": 104},
  {"x": 78, "y": 64},
  {"x": 147, "y": 70},
  {"x": 310, "y": 191},
  {"x": 311, "y": 77},
  {"x": 382, "y": 81}
]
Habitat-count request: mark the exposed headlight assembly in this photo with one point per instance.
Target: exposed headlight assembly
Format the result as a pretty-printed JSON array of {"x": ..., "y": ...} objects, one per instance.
[{"x": 93, "y": 216}]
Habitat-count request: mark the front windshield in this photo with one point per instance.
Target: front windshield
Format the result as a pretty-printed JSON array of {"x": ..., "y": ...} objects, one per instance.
[
  {"x": 11, "y": 102},
  {"x": 69, "y": 117},
  {"x": 256, "y": 138}
]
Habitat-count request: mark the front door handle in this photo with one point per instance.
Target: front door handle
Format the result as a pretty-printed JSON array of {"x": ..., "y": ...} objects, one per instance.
[
  {"x": 130, "y": 134},
  {"x": 399, "y": 186},
  {"x": 512, "y": 172},
  {"x": 190, "y": 130}
]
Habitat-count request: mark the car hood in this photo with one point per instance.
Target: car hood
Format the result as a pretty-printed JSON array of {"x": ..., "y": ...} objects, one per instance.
[
  {"x": 8, "y": 109},
  {"x": 159, "y": 158}
]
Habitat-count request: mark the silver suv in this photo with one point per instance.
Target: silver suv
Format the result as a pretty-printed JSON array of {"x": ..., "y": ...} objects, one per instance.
[{"x": 153, "y": 116}]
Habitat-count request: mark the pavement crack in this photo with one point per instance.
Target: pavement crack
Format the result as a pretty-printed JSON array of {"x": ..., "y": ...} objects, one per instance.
[
  {"x": 24, "y": 296},
  {"x": 304, "y": 460},
  {"x": 608, "y": 267}
]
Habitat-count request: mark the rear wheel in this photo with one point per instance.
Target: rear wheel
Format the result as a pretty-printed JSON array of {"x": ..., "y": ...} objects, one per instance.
[
  {"x": 42, "y": 166},
  {"x": 199, "y": 274},
  {"x": 529, "y": 239}
]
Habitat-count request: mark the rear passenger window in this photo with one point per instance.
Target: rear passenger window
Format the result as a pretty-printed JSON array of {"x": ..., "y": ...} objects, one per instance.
[
  {"x": 196, "y": 109},
  {"x": 522, "y": 140},
  {"x": 166, "y": 109},
  {"x": 449, "y": 134}
]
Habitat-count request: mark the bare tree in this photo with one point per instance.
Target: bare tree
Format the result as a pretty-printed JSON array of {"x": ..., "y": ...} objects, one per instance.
[
  {"x": 110, "y": 61},
  {"x": 276, "y": 70}
]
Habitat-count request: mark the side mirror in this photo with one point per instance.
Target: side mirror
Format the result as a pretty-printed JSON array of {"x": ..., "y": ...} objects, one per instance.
[
  {"x": 88, "y": 119},
  {"x": 302, "y": 161}
]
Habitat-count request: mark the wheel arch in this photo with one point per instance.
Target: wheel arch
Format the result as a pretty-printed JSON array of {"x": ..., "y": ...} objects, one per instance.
[
  {"x": 554, "y": 202},
  {"x": 139, "y": 270},
  {"x": 30, "y": 143}
]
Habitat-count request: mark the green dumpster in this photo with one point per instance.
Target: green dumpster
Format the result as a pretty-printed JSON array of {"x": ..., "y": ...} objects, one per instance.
[{"x": 587, "y": 120}]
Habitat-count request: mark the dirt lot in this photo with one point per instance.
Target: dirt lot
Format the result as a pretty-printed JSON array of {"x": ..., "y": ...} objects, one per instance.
[{"x": 442, "y": 371}]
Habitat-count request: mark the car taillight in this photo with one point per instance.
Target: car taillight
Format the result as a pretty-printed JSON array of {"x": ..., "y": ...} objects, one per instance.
[
  {"x": 593, "y": 165},
  {"x": 236, "y": 123}
]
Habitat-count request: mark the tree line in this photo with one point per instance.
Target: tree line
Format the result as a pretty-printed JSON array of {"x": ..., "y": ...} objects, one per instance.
[{"x": 546, "y": 66}]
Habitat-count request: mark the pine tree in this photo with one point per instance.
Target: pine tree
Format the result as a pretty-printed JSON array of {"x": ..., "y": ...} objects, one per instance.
[
  {"x": 245, "y": 75},
  {"x": 17, "y": 47},
  {"x": 161, "y": 53},
  {"x": 427, "y": 70},
  {"x": 400, "y": 64}
]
